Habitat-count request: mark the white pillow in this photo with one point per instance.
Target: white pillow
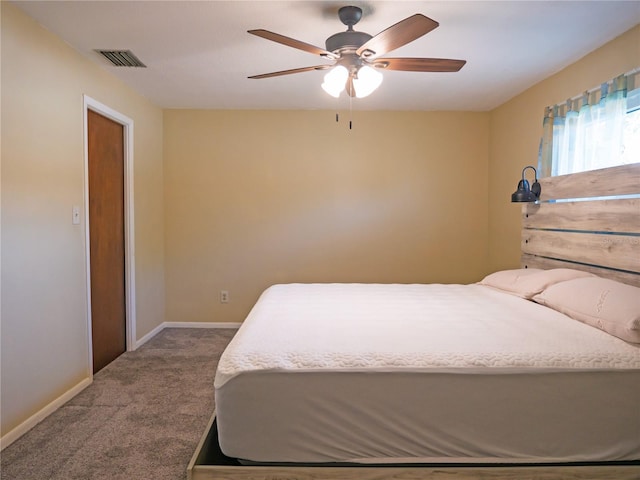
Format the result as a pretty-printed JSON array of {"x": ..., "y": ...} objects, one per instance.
[
  {"x": 527, "y": 282},
  {"x": 605, "y": 304}
]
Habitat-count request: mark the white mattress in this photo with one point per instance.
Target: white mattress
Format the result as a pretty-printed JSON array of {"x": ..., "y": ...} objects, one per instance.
[{"x": 423, "y": 373}]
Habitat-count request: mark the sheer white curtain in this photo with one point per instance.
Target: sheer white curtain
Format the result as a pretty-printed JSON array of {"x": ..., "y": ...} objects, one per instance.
[
  {"x": 585, "y": 133},
  {"x": 567, "y": 141}
]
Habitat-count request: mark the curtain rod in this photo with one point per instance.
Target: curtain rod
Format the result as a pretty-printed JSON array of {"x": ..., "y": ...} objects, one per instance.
[{"x": 630, "y": 73}]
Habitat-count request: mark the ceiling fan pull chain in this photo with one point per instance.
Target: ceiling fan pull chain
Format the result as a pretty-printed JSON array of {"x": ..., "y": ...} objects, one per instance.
[{"x": 350, "y": 111}]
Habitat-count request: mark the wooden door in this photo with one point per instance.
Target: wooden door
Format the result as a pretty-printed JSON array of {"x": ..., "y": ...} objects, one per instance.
[{"x": 106, "y": 238}]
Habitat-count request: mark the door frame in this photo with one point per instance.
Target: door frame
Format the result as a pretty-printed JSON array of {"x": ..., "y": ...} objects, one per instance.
[{"x": 129, "y": 243}]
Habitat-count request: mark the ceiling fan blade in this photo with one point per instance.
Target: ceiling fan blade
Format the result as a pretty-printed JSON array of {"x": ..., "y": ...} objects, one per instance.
[
  {"x": 420, "y": 64},
  {"x": 292, "y": 42},
  {"x": 397, "y": 35},
  {"x": 289, "y": 72}
]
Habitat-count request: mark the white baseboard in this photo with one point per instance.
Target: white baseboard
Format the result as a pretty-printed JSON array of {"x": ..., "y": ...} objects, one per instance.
[
  {"x": 202, "y": 324},
  {"x": 164, "y": 325},
  {"x": 32, "y": 421},
  {"x": 149, "y": 335}
]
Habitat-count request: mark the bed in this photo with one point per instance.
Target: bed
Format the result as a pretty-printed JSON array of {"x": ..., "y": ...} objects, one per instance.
[
  {"x": 354, "y": 373},
  {"x": 430, "y": 381}
]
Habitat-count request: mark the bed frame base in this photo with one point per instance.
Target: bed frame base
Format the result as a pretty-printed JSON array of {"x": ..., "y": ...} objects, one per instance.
[{"x": 209, "y": 463}]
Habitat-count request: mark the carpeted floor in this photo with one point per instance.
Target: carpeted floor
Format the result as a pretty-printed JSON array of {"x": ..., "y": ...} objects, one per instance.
[{"x": 141, "y": 418}]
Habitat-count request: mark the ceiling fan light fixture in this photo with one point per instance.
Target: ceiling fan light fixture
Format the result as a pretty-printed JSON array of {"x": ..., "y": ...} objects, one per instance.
[
  {"x": 366, "y": 82},
  {"x": 335, "y": 80}
]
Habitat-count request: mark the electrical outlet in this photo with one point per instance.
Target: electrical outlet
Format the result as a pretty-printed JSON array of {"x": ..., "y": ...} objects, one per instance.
[{"x": 224, "y": 296}]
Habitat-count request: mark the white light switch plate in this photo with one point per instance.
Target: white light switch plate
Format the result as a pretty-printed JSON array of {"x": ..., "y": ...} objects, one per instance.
[{"x": 75, "y": 216}]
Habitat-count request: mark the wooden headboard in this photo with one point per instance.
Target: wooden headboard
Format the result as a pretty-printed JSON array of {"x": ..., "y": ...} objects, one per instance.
[{"x": 578, "y": 225}]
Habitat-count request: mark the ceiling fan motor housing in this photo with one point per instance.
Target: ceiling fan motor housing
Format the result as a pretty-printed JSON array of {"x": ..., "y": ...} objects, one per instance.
[{"x": 349, "y": 39}]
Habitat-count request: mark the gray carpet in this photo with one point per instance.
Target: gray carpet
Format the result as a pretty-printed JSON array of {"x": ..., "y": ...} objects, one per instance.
[{"x": 141, "y": 418}]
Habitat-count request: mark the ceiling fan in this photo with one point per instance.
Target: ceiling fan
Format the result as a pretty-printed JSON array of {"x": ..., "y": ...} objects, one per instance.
[{"x": 357, "y": 57}]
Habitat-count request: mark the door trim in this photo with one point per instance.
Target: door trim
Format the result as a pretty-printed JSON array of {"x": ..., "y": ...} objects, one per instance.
[{"x": 129, "y": 243}]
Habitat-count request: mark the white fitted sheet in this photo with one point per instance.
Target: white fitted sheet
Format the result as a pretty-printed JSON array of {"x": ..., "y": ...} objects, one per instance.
[{"x": 423, "y": 373}]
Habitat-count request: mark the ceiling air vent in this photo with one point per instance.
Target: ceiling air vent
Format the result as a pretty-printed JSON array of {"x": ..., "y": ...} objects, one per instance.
[{"x": 121, "y": 58}]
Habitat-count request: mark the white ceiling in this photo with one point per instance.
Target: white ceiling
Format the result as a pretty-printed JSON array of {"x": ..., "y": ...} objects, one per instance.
[{"x": 199, "y": 53}]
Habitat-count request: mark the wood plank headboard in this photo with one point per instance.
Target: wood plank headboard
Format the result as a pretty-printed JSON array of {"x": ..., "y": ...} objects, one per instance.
[{"x": 578, "y": 225}]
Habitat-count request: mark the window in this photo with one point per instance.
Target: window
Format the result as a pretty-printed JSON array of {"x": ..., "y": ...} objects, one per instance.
[
  {"x": 631, "y": 133},
  {"x": 598, "y": 129}
]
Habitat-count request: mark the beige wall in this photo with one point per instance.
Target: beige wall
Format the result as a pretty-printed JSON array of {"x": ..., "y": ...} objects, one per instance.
[
  {"x": 516, "y": 127},
  {"x": 255, "y": 198},
  {"x": 44, "y": 306}
]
